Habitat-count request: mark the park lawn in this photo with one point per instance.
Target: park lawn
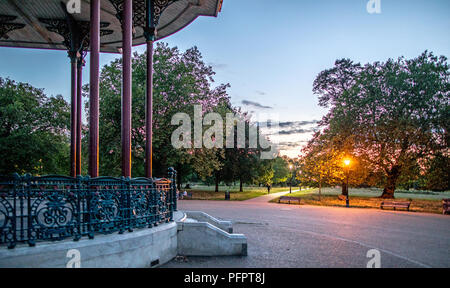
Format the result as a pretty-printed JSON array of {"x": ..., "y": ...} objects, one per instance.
[
  {"x": 207, "y": 193},
  {"x": 428, "y": 202}
]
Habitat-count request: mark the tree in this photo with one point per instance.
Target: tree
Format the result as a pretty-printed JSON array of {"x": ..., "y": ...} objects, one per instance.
[
  {"x": 181, "y": 80},
  {"x": 33, "y": 130},
  {"x": 239, "y": 163},
  {"x": 437, "y": 176},
  {"x": 265, "y": 173},
  {"x": 281, "y": 170},
  {"x": 394, "y": 112},
  {"x": 322, "y": 161}
]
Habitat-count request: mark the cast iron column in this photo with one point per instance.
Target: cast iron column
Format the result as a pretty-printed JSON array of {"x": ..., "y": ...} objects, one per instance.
[
  {"x": 73, "y": 114},
  {"x": 127, "y": 26},
  {"x": 149, "y": 112},
  {"x": 94, "y": 88},
  {"x": 79, "y": 110},
  {"x": 151, "y": 21}
]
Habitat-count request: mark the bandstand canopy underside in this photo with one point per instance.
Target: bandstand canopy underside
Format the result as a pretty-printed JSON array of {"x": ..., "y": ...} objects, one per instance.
[{"x": 41, "y": 23}]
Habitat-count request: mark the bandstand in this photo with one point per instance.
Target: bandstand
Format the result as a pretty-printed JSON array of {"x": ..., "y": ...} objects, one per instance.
[{"x": 60, "y": 208}]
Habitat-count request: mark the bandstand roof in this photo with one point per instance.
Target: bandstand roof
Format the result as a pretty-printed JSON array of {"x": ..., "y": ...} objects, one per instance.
[{"x": 41, "y": 23}]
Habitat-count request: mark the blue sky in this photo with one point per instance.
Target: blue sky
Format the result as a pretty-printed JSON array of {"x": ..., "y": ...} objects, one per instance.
[{"x": 271, "y": 51}]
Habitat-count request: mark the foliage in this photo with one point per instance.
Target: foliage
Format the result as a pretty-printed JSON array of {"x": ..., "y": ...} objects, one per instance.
[
  {"x": 437, "y": 175},
  {"x": 282, "y": 173},
  {"x": 33, "y": 130},
  {"x": 181, "y": 80},
  {"x": 394, "y": 113}
]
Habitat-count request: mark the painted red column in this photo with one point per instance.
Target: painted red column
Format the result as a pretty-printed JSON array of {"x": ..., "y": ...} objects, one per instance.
[
  {"x": 149, "y": 112},
  {"x": 94, "y": 88},
  {"x": 79, "y": 114},
  {"x": 73, "y": 115},
  {"x": 127, "y": 26}
]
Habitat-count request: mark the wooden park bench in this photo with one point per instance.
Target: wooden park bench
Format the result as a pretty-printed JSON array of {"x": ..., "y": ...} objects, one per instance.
[
  {"x": 289, "y": 199},
  {"x": 396, "y": 204},
  {"x": 445, "y": 206}
]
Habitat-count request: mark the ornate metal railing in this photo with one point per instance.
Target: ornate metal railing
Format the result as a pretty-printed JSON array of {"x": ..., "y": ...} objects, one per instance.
[{"x": 56, "y": 207}]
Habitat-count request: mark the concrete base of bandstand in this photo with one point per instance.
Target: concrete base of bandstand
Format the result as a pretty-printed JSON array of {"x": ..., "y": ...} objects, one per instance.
[{"x": 191, "y": 234}]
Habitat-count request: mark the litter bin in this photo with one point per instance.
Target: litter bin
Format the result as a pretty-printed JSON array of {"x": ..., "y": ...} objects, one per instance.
[{"x": 227, "y": 195}]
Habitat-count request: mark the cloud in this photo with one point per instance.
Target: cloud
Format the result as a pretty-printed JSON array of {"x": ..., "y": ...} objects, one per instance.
[
  {"x": 218, "y": 66},
  {"x": 255, "y": 104},
  {"x": 292, "y": 127},
  {"x": 296, "y": 131},
  {"x": 297, "y": 123},
  {"x": 291, "y": 145}
]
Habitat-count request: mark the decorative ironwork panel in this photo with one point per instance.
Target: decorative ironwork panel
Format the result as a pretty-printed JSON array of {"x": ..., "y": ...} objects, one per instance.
[
  {"x": 143, "y": 206},
  {"x": 61, "y": 27},
  {"x": 52, "y": 208},
  {"x": 107, "y": 205},
  {"x": 7, "y": 211},
  {"x": 162, "y": 196},
  {"x": 6, "y": 27},
  {"x": 140, "y": 11}
]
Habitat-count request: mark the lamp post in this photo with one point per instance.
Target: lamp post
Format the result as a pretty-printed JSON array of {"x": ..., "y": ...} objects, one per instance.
[
  {"x": 347, "y": 163},
  {"x": 300, "y": 181},
  {"x": 290, "y": 182}
]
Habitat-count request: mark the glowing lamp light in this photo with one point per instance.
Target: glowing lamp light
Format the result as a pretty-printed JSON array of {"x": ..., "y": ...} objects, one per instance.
[{"x": 347, "y": 162}]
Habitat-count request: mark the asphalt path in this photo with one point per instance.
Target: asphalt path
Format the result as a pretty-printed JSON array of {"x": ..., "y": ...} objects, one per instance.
[{"x": 281, "y": 235}]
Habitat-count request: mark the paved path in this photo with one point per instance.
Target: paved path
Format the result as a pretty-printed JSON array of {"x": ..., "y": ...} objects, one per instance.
[
  {"x": 281, "y": 235},
  {"x": 268, "y": 197}
]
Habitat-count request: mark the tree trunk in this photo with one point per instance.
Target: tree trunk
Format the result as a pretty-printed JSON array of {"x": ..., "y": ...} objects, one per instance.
[
  {"x": 179, "y": 181},
  {"x": 391, "y": 183},
  {"x": 320, "y": 189},
  {"x": 217, "y": 184},
  {"x": 344, "y": 189},
  {"x": 240, "y": 186}
]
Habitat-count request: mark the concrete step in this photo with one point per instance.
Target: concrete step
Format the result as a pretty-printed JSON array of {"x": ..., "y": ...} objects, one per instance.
[
  {"x": 200, "y": 216},
  {"x": 200, "y": 234}
]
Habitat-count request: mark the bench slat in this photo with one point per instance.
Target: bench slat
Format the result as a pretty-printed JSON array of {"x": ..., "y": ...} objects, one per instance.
[
  {"x": 289, "y": 198},
  {"x": 395, "y": 204}
]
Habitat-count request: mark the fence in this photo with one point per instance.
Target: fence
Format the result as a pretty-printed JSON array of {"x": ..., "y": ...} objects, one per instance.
[{"x": 52, "y": 208}]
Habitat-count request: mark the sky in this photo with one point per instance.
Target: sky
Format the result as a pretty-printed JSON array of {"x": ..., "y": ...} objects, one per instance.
[{"x": 271, "y": 51}]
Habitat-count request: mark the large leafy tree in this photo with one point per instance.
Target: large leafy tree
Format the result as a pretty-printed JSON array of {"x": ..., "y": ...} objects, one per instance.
[
  {"x": 322, "y": 162},
  {"x": 281, "y": 171},
  {"x": 33, "y": 130},
  {"x": 396, "y": 112},
  {"x": 437, "y": 176},
  {"x": 238, "y": 162},
  {"x": 265, "y": 173},
  {"x": 181, "y": 80}
]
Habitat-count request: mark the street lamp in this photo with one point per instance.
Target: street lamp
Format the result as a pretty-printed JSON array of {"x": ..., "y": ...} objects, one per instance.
[
  {"x": 347, "y": 163},
  {"x": 290, "y": 182},
  {"x": 300, "y": 181}
]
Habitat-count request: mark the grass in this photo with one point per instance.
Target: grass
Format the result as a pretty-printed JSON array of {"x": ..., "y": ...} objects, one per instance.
[
  {"x": 200, "y": 192},
  {"x": 422, "y": 201}
]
